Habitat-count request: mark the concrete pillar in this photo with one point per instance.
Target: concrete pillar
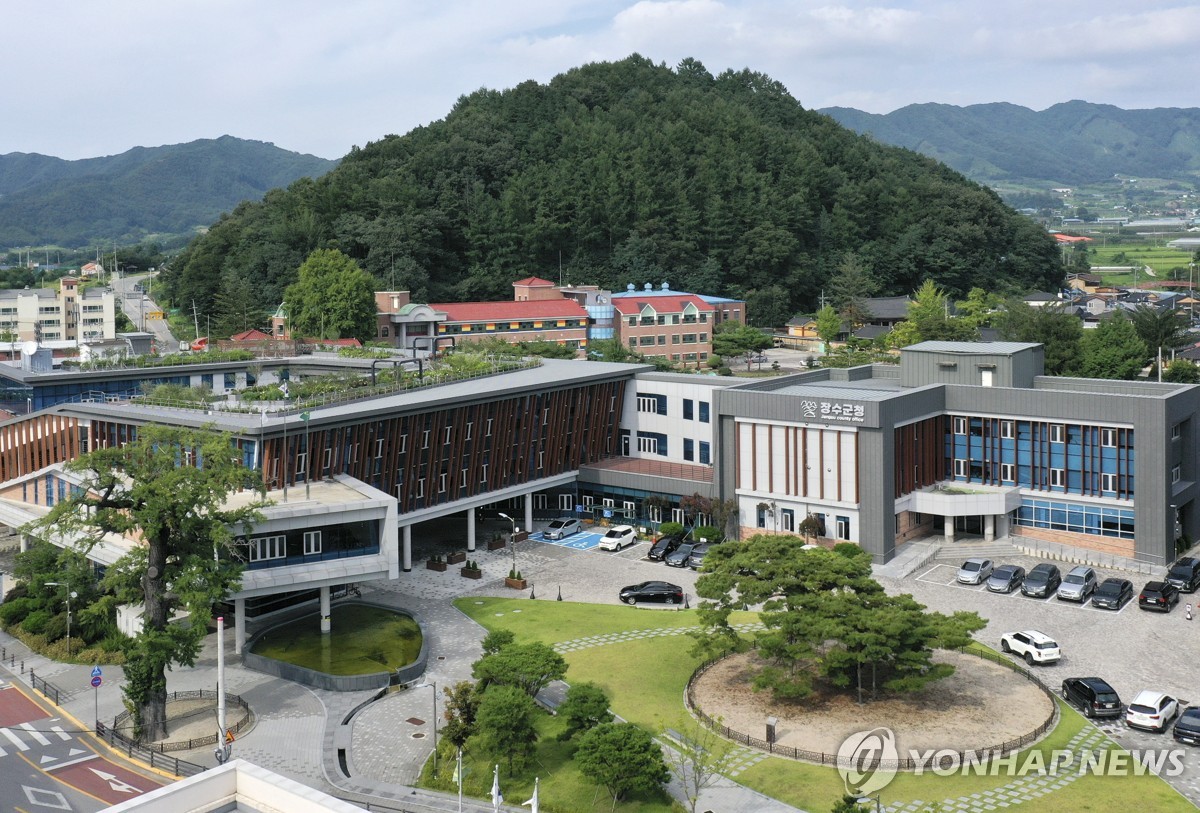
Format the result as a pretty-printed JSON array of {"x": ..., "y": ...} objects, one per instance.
[
  {"x": 989, "y": 527},
  {"x": 470, "y": 530},
  {"x": 325, "y": 610},
  {"x": 948, "y": 528},
  {"x": 406, "y": 549},
  {"x": 529, "y": 513},
  {"x": 239, "y": 624},
  {"x": 24, "y": 542}
]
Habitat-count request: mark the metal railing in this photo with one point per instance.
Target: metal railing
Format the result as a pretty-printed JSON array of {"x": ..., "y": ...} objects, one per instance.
[
  {"x": 52, "y": 692},
  {"x": 135, "y": 750},
  {"x": 822, "y": 758},
  {"x": 124, "y": 719}
]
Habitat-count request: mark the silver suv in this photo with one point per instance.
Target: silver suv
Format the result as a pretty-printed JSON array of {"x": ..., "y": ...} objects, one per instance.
[{"x": 1078, "y": 585}]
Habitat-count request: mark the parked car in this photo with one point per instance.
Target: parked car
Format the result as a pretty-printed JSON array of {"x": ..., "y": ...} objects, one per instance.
[
  {"x": 1185, "y": 574},
  {"x": 560, "y": 528},
  {"x": 679, "y": 557},
  {"x": 1093, "y": 696},
  {"x": 1113, "y": 594},
  {"x": 1187, "y": 727},
  {"x": 618, "y": 536},
  {"x": 974, "y": 571},
  {"x": 1042, "y": 581},
  {"x": 1006, "y": 578},
  {"x": 652, "y": 591},
  {"x": 1078, "y": 584},
  {"x": 663, "y": 545},
  {"x": 696, "y": 560},
  {"x": 1151, "y": 710},
  {"x": 1033, "y": 646},
  {"x": 1158, "y": 596}
]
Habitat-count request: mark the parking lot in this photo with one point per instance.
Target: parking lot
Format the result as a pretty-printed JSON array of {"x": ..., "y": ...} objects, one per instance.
[{"x": 944, "y": 574}]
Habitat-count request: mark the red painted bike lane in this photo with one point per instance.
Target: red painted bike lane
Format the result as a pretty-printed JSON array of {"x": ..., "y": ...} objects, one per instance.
[{"x": 104, "y": 780}]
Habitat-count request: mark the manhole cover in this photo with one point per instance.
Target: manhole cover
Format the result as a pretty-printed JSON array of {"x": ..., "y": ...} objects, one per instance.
[
  {"x": 441, "y": 657},
  {"x": 418, "y": 736},
  {"x": 415, "y": 721}
]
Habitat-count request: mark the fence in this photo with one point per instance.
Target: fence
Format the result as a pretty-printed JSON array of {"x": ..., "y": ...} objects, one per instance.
[
  {"x": 155, "y": 759},
  {"x": 52, "y": 692},
  {"x": 124, "y": 718},
  {"x": 976, "y": 754}
]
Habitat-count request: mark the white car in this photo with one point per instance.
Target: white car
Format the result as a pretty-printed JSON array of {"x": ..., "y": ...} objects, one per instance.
[
  {"x": 1152, "y": 711},
  {"x": 561, "y": 528},
  {"x": 1033, "y": 646},
  {"x": 618, "y": 536}
]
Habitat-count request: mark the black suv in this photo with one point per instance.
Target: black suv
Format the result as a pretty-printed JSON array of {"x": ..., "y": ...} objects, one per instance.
[
  {"x": 1159, "y": 596},
  {"x": 1093, "y": 696},
  {"x": 1184, "y": 575},
  {"x": 663, "y": 545},
  {"x": 1187, "y": 727},
  {"x": 1042, "y": 581},
  {"x": 1112, "y": 594}
]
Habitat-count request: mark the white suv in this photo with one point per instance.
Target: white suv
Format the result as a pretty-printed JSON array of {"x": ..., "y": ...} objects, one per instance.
[
  {"x": 1033, "y": 646},
  {"x": 618, "y": 536}
]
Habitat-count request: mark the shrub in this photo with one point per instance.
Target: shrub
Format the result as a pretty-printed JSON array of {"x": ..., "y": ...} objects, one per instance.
[
  {"x": 709, "y": 532},
  {"x": 55, "y": 628},
  {"x": 21, "y": 590},
  {"x": 670, "y": 528},
  {"x": 14, "y": 611},
  {"x": 35, "y": 623}
]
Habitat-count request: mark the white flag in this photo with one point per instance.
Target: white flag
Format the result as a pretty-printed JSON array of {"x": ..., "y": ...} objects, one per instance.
[
  {"x": 533, "y": 803},
  {"x": 497, "y": 797}
]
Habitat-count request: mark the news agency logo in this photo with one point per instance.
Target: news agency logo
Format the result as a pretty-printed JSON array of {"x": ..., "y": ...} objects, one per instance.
[{"x": 867, "y": 761}]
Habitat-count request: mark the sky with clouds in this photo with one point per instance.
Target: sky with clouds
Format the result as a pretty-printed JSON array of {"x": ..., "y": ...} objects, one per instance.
[{"x": 83, "y": 79}]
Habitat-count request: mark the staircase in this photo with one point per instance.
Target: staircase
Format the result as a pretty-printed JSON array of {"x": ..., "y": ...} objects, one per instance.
[{"x": 958, "y": 551}]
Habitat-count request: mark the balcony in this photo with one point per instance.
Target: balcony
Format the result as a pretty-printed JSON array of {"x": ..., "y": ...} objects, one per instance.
[{"x": 954, "y": 499}]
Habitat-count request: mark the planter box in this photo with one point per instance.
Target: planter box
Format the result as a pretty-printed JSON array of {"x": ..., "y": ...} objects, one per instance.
[
  {"x": 456, "y": 558},
  {"x": 516, "y": 584},
  {"x": 497, "y": 544},
  {"x": 440, "y": 567},
  {"x": 521, "y": 536},
  {"x": 470, "y": 572}
]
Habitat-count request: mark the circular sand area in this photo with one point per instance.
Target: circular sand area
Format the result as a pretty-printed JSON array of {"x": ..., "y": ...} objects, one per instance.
[{"x": 983, "y": 704}]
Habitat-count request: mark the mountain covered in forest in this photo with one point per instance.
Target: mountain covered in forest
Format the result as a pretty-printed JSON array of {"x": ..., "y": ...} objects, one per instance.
[
  {"x": 146, "y": 191},
  {"x": 619, "y": 173},
  {"x": 1072, "y": 143}
]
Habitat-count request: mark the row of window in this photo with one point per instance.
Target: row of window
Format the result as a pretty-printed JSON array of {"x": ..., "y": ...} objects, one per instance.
[
  {"x": 1058, "y": 431},
  {"x": 668, "y": 319},
  {"x": 661, "y": 339},
  {"x": 1084, "y": 519},
  {"x": 502, "y": 327},
  {"x": 261, "y": 548},
  {"x": 705, "y": 448},
  {"x": 656, "y": 404},
  {"x": 787, "y": 522}
]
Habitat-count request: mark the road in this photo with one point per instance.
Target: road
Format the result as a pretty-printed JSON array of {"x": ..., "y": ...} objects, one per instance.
[
  {"x": 46, "y": 763},
  {"x": 138, "y": 305}
]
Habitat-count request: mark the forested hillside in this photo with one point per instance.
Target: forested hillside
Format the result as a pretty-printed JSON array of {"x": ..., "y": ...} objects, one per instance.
[
  {"x": 1070, "y": 143},
  {"x": 622, "y": 173},
  {"x": 145, "y": 191}
]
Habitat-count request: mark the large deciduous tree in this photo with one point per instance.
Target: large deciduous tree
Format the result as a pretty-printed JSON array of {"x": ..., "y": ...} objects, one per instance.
[
  {"x": 168, "y": 489},
  {"x": 504, "y": 722},
  {"x": 1112, "y": 350},
  {"x": 1057, "y": 331},
  {"x": 333, "y": 298},
  {"x": 826, "y": 618},
  {"x": 622, "y": 757},
  {"x": 733, "y": 339},
  {"x": 529, "y": 667}
]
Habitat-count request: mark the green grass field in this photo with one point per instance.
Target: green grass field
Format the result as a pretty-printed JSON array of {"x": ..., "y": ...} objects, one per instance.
[{"x": 1161, "y": 259}]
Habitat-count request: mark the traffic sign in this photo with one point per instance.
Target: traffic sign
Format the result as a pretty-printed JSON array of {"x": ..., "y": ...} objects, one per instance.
[
  {"x": 96, "y": 671},
  {"x": 96, "y": 681}
]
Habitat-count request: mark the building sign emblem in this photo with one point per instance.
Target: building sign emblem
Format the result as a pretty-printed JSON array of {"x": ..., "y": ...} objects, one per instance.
[{"x": 833, "y": 411}]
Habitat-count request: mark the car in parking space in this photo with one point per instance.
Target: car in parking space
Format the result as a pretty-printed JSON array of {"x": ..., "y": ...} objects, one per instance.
[
  {"x": 1093, "y": 696},
  {"x": 1185, "y": 574},
  {"x": 974, "y": 571},
  {"x": 1187, "y": 727},
  {"x": 617, "y": 537},
  {"x": 1113, "y": 594},
  {"x": 1078, "y": 584},
  {"x": 1005, "y": 579},
  {"x": 1158, "y": 596},
  {"x": 680, "y": 556},
  {"x": 1033, "y": 646},
  {"x": 561, "y": 528},
  {"x": 1042, "y": 581},
  {"x": 667, "y": 543},
  {"x": 652, "y": 591},
  {"x": 696, "y": 559},
  {"x": 1152, "y": 711}
]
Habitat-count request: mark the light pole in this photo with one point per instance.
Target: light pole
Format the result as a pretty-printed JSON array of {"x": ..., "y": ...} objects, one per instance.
[
  {"x": 432, "y": 685},
  {"x": 69, "y": 595},
  {"x": 512, "y": 540},
  {"x": 862, "y": 800}
]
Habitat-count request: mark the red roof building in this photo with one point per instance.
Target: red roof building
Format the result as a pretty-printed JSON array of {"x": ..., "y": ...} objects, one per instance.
[
  {"x": 553, "y": 320},
  {"x": 678, "y": 328}
]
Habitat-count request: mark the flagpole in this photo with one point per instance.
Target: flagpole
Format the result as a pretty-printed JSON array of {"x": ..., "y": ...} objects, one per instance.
[{"x": 459, "y": 772}]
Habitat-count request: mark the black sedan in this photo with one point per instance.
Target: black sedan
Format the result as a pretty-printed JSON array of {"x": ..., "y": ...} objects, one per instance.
[
  {"x": 664, "y": 545},
  {"x": 1005, "y": 579},
  {"x": 1112, "y": 594},
  {"x": 680, "y": 556},
  {"x": 1159, "y": 596},
  {"x": 652, "y": 591},
  {"x": 1042, "y": 581}
]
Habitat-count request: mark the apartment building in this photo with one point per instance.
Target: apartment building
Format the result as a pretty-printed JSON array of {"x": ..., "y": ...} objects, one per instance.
[{"x": 64, "y": 314}]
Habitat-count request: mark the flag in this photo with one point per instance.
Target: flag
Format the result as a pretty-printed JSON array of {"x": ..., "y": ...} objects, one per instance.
[
  {"x": 457, "y": 777},
  {"x": 283, "y": 387},
  {"x": 533, "y": 803},
  {"x": 497, "y": 797},
  {"x": 304, "y": 416}
]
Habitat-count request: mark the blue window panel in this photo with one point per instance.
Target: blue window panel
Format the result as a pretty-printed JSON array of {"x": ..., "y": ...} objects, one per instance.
[
  {"x": 705, "y": 453},
  {"x": 687, "y": 409},
  {"x": 703, "y": 411},
  {"x": 689, "y": 452}
]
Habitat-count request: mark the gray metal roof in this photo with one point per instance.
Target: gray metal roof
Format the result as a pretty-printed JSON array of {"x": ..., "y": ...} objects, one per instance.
[
  {"x": 973, "y": 348},
  {"x": 865, "y": 390}
]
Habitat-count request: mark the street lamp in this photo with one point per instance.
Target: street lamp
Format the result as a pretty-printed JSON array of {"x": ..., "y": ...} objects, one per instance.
[
  {"x": 432, "y": 685},
  {"x": 512, "y": 540},
  {"x": 70, "y": 595},
  {"x": 862, "y": 800}
]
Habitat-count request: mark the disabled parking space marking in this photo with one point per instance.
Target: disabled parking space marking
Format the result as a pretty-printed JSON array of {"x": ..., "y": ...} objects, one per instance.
[{"x": 584, "y": 540}]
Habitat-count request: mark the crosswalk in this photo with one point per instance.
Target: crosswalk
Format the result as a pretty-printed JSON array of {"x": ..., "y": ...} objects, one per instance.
[{"x": 18, "y": 737}]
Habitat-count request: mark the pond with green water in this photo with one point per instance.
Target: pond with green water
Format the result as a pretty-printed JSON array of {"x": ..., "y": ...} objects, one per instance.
[{"x": 362, "y": 640}]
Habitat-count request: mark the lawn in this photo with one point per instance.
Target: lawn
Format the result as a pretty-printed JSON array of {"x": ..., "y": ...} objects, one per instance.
[{"x": 646, "y": 679}]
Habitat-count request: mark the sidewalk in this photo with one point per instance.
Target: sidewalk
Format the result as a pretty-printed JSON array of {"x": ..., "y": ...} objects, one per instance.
[{"x": 306, "y": 733}]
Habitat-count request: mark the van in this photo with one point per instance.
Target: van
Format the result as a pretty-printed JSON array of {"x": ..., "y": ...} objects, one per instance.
[{"x": 1184, "y": 575}]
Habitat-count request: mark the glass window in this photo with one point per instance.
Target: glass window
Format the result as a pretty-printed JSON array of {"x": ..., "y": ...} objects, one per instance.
[
  {"x": 705, "y": 454},
  {"x": 687, "y": 409},
  {"x": 689, "y": 451},
  {"x": 312, "y": 543},
  {"x": 703, "y": 411}
]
